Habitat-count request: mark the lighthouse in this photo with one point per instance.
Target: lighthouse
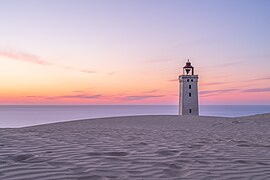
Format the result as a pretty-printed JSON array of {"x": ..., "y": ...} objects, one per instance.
[{"x": 188, "y": 91}]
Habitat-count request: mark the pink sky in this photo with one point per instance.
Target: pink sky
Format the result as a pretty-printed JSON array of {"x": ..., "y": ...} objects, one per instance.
[{"x": 132, "y": 52}]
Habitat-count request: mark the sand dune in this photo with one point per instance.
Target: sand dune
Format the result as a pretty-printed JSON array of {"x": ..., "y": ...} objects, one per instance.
[{"x": 141, "y": 147}]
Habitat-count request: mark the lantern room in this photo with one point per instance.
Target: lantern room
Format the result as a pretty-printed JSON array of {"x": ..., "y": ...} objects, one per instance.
[{"x": 188, "y": 69}]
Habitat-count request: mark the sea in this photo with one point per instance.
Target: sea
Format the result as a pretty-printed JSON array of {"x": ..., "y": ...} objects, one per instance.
[{"x": 14, "y": 116}]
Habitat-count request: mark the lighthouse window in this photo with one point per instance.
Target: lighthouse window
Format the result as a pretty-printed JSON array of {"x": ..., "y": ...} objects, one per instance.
[
  {"x": 189, "y": 94},
  {"x": 187, "y": 80},
  {"x": 189, "y": 86},
  {"x": 189, "y": 110}
]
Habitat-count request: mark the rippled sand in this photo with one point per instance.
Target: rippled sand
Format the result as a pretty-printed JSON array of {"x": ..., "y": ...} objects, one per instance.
[{"x": 141, "y": 147}]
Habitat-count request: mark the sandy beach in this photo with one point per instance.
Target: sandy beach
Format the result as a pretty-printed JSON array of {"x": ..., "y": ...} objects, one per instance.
[{"x": 139, "y": 147}]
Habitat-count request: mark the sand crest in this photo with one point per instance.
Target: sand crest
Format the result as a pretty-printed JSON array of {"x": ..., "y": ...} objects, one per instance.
[{"x": 139, "y": 147}]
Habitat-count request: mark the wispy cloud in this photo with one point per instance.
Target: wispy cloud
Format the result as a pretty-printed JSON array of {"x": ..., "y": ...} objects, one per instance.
[
  {"x": 151, "y": 91},
  {"x": 88, "y": 71},
  {"x": 158, "y": 60},
  {"x": 31, "y": 58},
  {"x": 81, "y": 96},
  {"x": 21, "y": 56},
  {"x": 260, "y": 79},
  {"x": 257, "y": 90},
  {"x": 110, "y": 73},
  {"x": 214, "y": 92},
  {"x": 141, "y": 97},
  {"x": 225, "y": 65},
  {"x": 78, "y": 96},
  {"x": 173, "y": 80},
  {"x": 231, "y": 64},
  {"x": 66, "y": 67},
  {"x": 212, "y": 83}
]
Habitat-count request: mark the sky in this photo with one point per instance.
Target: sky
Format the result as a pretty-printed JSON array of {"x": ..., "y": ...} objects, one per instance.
[{"x": 132, "y": 52}]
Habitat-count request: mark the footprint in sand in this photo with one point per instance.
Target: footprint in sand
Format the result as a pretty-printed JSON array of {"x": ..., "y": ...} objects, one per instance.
[
  {"x": 195, "y": 146},
  {"x": 95, "y": 154},
  {"x": 171, "y": 172},
  {"x": 142, "y": 143},
  {"x": 21, "y": 157},
  {"x": 116, "y": 153},
  {"x": 94, "y": 177},
  {"x": 167, "y": 152},
  {"x": 262, "y": 163},
  {"x": 244, "y": 145},
  {"x": 37, "y": 159}
]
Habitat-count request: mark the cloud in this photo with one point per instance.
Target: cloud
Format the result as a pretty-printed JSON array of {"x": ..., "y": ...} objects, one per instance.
[
  {"x": 34, "y": 96},
  {"x": 151, "y": 91},
  {"x": 158, "y": 60},
  {"x": 173, "y": 80},
  {"x": 214, "y": 92},
  {"x": 88, "y": 71},
  {"x": 110, "y": 73},
  {"x": 21, "y": 56},
  {"x": 66, "y": 67},
  {"x": 94, "y": 96},
  {"x": 26, "y": 57},
  {"x": 79, "y": 96},
  {"x": 141, "y": 97},
  {"x": 257, "y": 90},
  {"x": 213, "y": 83},
  {"x": 225, "y": 65},
  {"x": 230, "y": 64},
  {"x": 260, "y": 79}
]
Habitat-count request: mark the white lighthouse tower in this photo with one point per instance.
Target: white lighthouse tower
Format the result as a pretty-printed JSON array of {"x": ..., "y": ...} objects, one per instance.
[{"x": 188, "y": 91}]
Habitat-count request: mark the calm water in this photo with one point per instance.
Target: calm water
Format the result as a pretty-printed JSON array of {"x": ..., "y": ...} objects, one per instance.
[{"x": 19, "y": 116}]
